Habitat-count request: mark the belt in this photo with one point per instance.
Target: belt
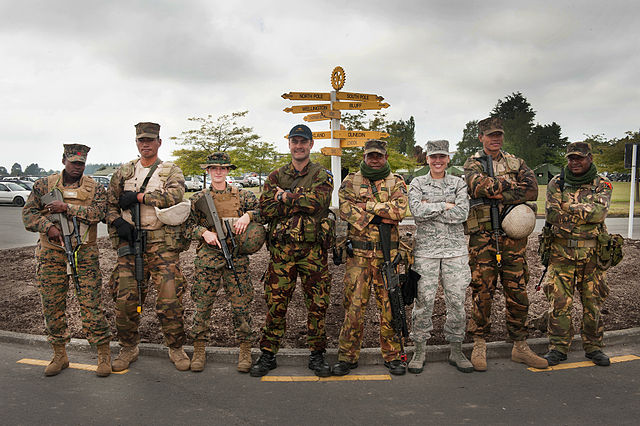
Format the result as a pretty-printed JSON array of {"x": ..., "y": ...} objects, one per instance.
[
  {"x": 575, "y": 243},
  {"x": 369, "y": 245}
]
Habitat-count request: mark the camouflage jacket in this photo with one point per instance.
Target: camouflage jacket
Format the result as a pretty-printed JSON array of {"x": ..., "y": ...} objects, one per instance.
[
  {"x": 298, "y": 218},
  {"x": 208, "y": 255},
  {"x": 36, "y": 221},
  {"x": 583, "y": 214},
  {"x": 439, "y": 232},
  {"x": 358, "y": 207},
  {"x": 171, "y": 195}
]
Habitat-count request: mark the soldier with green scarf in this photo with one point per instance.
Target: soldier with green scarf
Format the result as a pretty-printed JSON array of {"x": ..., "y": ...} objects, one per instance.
[
  {"x": 369, "y": 197},
  {"x": 577, "y": 204}
]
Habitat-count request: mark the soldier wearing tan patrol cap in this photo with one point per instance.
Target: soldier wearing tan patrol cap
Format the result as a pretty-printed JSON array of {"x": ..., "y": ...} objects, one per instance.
[
  {"x": 151, "y": 183},
  {"x": 83, "y": 201}
]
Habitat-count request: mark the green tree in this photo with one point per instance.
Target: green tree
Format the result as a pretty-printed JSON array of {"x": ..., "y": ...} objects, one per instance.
[
  {"x": 550, "y": 144},
  {"x": 469, "y": 144},
  {"x": 259, "y": 157},
  {"x": 33, "y": 170},
  {"x": 16, "y": 169},
  {"x": 3, "y": 171}
]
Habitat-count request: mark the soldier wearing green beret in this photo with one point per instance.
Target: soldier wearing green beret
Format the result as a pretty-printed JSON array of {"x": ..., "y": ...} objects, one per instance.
[
  {"x": 241, "y": 207},
  {"x": 84, "y": 201},
  {"x": 577, "y": 205}
]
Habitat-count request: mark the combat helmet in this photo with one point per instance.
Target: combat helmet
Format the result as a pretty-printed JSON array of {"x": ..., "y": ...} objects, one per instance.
[
  {"x": 518, "y": 221},
  {"x": 251, "y": 240}
]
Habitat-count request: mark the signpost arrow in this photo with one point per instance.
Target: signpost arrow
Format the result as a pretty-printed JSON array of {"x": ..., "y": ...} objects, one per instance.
[
  {"x": 308, "y": 108},
  {"x": 349, "y": 96},
  {"x": 316, "y": 117},
  {"x": 352, "y": 134},
  {"x": 331, "y": 151},
  {"x": 331, "y": 114},
  {"x": 359, "y": 105},
  {"x": 307, "y": 96},
  {"x": 352, "y": 143}
]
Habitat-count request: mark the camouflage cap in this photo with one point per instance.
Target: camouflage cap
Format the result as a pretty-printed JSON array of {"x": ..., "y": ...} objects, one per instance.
[
  {"x": 438, "y": 147},
  {"x": 147, "y": 130},
  {"x": 490, "y": 125},
  {"x": 375, "y": 145},
  {"x": 583, "y": 149},
  {"x": 301, "y": 130},
  {"x": 221, "y": 159},
  {"x": 76, "y": 152}
]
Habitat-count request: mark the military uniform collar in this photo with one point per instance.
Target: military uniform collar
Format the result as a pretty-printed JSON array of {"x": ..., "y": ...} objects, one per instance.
[
  {"x": 431, "y": 180},
  {"x": 502, "y": 154},
  {"x": 226, "y": 189},
  {"x": 290, "y": 170}
]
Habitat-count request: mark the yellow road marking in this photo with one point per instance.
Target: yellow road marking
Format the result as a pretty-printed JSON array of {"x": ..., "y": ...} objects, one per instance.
[
  {"x": 581, "y": 364},
  {"x": 75, "y": 365},
  {"x": 353, "y": 377}
]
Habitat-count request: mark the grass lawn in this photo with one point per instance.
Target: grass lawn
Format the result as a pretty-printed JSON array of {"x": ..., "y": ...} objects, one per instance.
[{"x": 619, "y": 200}]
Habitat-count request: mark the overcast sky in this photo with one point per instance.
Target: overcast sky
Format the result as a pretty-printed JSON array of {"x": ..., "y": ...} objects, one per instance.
[{"x": 87, "y": 71}]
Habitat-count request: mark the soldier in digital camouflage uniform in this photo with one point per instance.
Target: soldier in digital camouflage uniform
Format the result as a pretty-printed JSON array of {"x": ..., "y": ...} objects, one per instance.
[
  {"x": 439, "y": 204},
  {"x": 514, "y": 183},
  {"x": 576, "y": 210},
  {"x": 295, "y": 204},
  {"x": 211, "y": 266},
  {"x": 85, "y": 200},
  {"x": 164, "y": 188},
  {"x": 369, "y": 197}
]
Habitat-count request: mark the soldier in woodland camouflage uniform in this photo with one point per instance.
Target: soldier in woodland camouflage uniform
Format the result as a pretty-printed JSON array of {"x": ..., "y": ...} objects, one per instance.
[
  {"x": 367, "y": 198},
  {"x": 439, "y": 204},
  {"x": 514, "y": 183},
  {"x": 295, "y": 204},
  {"x": 211, "y": 266},
  {"x": 576, "y": 209},
  {"x": 85, "y": 200},
  {"x": 164, "y": 188}
]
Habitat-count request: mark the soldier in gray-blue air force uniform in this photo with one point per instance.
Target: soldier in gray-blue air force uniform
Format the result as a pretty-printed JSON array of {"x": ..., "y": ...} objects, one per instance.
[{"x": 440, "y": 205}]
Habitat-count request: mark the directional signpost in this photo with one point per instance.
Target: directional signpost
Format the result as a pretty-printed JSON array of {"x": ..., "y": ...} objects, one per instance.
[{"x": 338, "y": 101}]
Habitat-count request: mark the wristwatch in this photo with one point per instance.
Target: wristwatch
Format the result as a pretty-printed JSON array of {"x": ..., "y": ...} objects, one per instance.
[{"x": 279, "y": 197}]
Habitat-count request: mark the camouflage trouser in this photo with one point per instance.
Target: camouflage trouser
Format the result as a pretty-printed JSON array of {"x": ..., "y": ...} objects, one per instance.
[
  {"x": 240, "y": 295},
  {"x": 287, "y": 261},
  {"x": 514, "y": 276},
  {"x": 53, "y": 283},
  {"x": 162, "y": 267},
  {"x": 362, "y": 273},
  {"x": 562, "y": 277},
  {"x": 455, "y": 275}
]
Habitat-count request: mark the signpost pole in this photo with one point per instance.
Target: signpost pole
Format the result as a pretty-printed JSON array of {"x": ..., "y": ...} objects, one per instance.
[
  {"x": 632, "y": 196},
  {"x": 336, "y": 160}
]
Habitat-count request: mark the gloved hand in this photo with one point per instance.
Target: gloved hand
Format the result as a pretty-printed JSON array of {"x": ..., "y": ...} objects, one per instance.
[
  {"x": 126, "y": 231},
  {"x": 127, "y": 199},
  {"x": 377, "y": 220}
]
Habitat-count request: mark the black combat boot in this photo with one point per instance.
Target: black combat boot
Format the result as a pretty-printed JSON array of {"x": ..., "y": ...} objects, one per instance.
[
  {"x": 343, "y": 368},
  {"x": 599, "y": 358},
  {"x": 264, "y": 364},
  {"x": 396, "y": 367},
  {"x": 318, "y": 364},
  {"x": 554, "y": 357}
]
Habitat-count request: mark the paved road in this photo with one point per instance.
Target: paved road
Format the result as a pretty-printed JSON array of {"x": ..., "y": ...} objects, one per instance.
[{"x": 153, "y": 392}]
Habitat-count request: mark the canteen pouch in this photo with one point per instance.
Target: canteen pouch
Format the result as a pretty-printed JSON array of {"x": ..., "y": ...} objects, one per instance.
[
  {"x": 175, "y": 237},
  {"x": 545, "y": 238},
  {"x": 609, "y": 250}
]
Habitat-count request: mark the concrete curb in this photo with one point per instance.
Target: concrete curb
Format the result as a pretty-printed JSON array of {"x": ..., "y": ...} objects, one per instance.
[{"x": 300, "y": 357}]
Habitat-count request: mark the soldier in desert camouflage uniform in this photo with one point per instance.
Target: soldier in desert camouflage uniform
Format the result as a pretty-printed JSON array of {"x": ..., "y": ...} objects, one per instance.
[
  {"x": 576, "y": 209},
  {"x": 211, "y": 266},
  {"x": 164, "y": 188},
  {"x": 439, "y": 204},
  {"x": 514, "y": 183},
  {"x": 369, "y": 197},
  {"x": 85, "y": 200},
  {"x": 295, "y": 204}
]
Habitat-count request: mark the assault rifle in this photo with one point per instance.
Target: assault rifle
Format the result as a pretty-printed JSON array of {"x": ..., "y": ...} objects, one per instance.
[
  {"x": 495, "y": 212},
  {"x": 206, "y": 205},
  {"x": 137, "y": 248},
  {"x": 67, "y": 234},
  {"x": 391, "y": 280}
]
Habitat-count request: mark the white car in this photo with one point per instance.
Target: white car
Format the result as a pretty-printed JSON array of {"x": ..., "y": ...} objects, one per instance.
[
  {"x": 192, "y": 183},
  {"x": 12, "y": 193}
]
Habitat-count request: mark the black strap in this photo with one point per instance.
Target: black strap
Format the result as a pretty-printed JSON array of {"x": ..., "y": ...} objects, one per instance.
[
  {"x": 295, "y": 183},
  {"x": 561, "y": 180},
  {"x": 152, "y": 170}
]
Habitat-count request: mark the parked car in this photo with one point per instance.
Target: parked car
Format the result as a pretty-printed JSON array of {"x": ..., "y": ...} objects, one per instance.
[
  {"x": 12, "y": 193},
  {"x": 102, "y": 180},
  {"x": 193, "y": 183},
  {"x": 26, "y": 184},
  {"x": 234, "y": 181}
]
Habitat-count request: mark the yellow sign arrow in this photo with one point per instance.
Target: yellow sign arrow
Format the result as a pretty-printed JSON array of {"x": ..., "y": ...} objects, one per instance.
[
  {"x": 315, "y": 117},
  {"x": 352, "y": 143},
  {"x": 352, "y": 134},
  {"x": 359, "y": 105},
  {"x": 331, "y": 114},
  {"x": 331, "y": 151},
  {"x": 349, "y": 96},
  {"x": 308, "y": 96},
  {"x": 308, "y": 108}
]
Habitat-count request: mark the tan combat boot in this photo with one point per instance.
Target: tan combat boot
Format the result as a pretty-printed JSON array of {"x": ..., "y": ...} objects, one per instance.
[
  {"x": 479, "y": 354},
  {"x": 199, "y": 356},
  {"x": 419, "y": 357},
  {"x": 244, "y": 357},
  {"x": 127, "y": 355},
  {"x": 523, "y": 354},
  {"x": 104, "y": 360},
  {"x": 59, "y": 362},
  {"x": 457, "y": 358},
  {"x": 179, "y": 358}
]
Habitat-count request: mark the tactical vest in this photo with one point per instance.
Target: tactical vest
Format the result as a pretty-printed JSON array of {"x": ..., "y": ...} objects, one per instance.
[
  {"x": 227, "y": 203},
  {"x": 134, "y": 176},
  {"x": 80, "y": 196},
  {"x": 480, "y": 214}
]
